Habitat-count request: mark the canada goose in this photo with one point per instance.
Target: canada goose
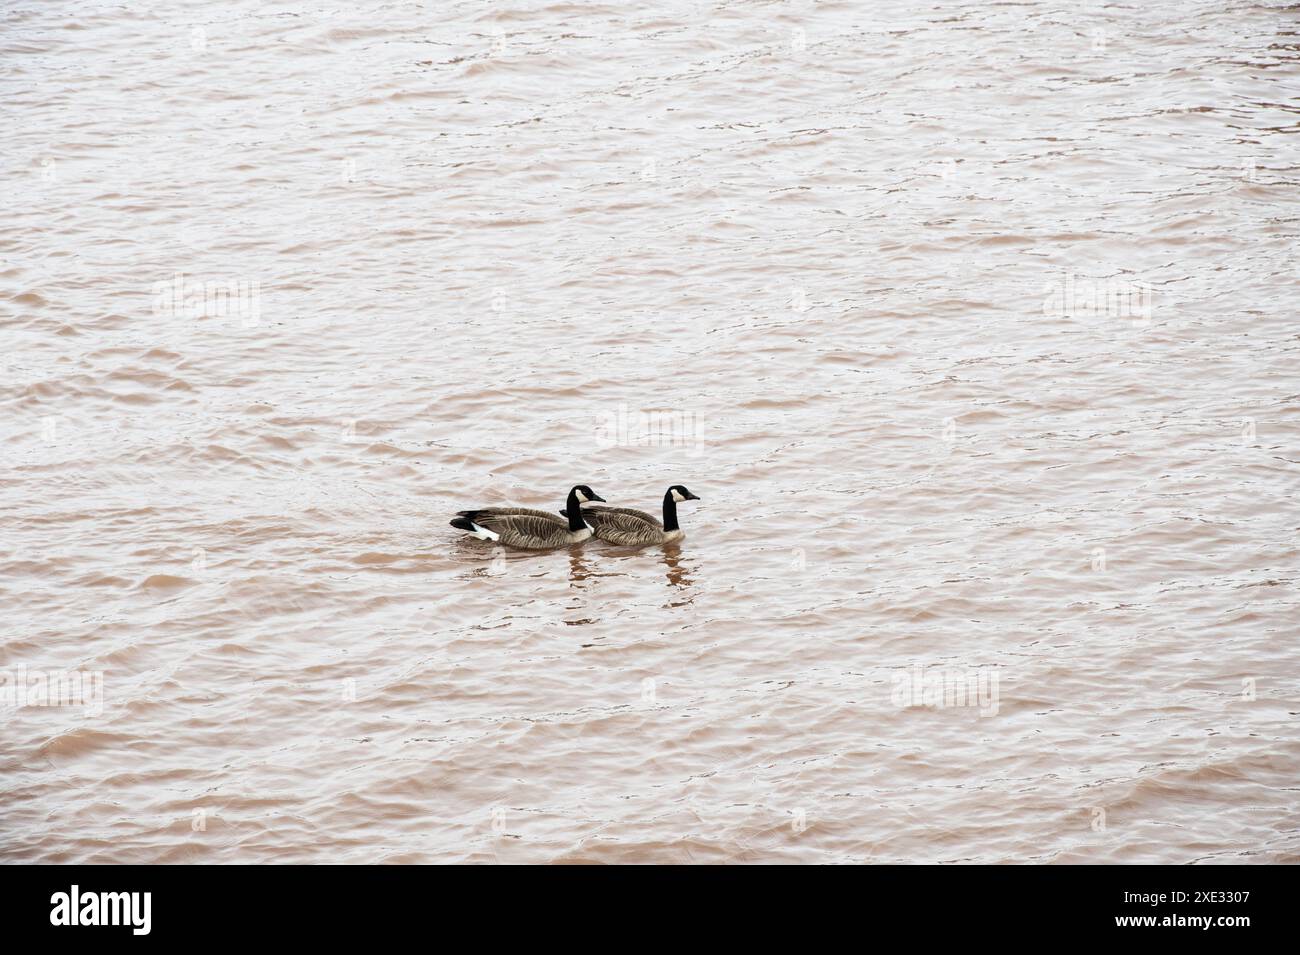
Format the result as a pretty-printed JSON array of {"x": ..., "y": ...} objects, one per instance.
[
  {"x": 626, "y": 525},
  {"x": 528, "y": 528}
]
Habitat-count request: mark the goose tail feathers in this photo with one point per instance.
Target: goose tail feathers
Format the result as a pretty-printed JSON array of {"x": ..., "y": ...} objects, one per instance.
[{"x": 465, "y": 522}]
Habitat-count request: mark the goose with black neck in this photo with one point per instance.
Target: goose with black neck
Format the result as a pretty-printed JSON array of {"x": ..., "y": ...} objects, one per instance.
[
  {"x": 631, "y": 527},
  {"x": 528, "y": 528}
]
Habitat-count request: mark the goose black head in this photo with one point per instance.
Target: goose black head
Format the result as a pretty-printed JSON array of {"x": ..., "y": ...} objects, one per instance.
[
  {"x": 584, "y": 493},
  {"x": 679, "y": 493}
]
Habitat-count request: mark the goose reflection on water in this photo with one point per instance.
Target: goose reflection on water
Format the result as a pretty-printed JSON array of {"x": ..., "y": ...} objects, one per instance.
[
  {"x": 678, "y": 575},
  {"x": 579, "y": 568}
]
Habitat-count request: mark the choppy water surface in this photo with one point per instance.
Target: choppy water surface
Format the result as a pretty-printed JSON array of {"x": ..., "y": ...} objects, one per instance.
[{"x": 973, "y": 326}]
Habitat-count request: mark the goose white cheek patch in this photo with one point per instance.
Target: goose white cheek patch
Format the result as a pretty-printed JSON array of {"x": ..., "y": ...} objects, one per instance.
[
  {"x": 483, "y": 534},
  {"x": 582, "y": 498},
  {"x": 677, "y": 496}
]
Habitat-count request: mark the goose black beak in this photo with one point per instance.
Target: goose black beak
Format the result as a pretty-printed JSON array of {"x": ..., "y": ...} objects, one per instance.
[
  {"x": 597, "y": 497},
  {"x": 692, "y": 497}
]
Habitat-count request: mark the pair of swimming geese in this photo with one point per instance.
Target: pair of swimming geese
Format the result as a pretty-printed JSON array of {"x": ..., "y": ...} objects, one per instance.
[{"x": 537, "y": 530}]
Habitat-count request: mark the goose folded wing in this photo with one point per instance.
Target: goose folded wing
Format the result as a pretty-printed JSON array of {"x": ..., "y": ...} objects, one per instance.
[
  {"x": 625, "y": 526},
  {"x": 518, "y": 522},
  {"x": 595, "y": 515}
]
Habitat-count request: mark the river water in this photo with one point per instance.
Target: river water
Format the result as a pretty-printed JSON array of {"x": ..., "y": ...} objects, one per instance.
[{"x": 973, "y": 326}]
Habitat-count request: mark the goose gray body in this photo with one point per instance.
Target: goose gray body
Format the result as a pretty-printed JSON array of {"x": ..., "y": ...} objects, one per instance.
[
  {"x": 630, "y": 527},
  {"x": 530, "y": 529}
]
